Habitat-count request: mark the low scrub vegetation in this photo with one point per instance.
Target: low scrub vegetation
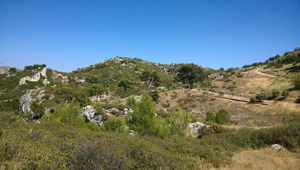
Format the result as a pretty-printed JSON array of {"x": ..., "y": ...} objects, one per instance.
[{"x": 56, "y": 145}]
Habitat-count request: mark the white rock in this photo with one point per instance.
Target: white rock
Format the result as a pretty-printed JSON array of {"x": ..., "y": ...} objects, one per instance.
[
  {"x": 36, "y": 77},
  {"x": 25, "y": 103},
  {"x": 46, "y": 81},
  {"x": 276, "y": 147},
  {"x": 196, "y": 127},
  {"x": 126, "y": 111},
  {"x": 90, "y": 116},
  {"x": 40, "y": 95}
]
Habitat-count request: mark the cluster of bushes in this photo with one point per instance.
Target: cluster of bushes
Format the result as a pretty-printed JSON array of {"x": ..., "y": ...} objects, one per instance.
[
  {"x": 34, "y": 67},
  {"x": 222, "y": 116},
  {"x": 278, "y": 61},
  {"x": 70, "y": 114},
  {"x": 288, "y": 58},
  {"x": 53, "y": 145},
  {"x": 12, "y": 70},
  {"x": 274, "y": 95},
  {"x": 151, "y": 77},
  {"x": 191, "y": 74},
  {"x": 68, "y": 94}
]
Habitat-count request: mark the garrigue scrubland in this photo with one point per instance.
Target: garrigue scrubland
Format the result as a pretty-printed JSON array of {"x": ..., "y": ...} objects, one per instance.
[{"x": 126, "y": 113}]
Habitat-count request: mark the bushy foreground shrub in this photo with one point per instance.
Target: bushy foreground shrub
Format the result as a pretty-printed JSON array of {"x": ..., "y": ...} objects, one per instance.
[
  {"x": 116, "y": 124},
  {"x": 178, "y": 121},
  {"x": 144, "y": 119},
  {"x": 70, "y": 114}
]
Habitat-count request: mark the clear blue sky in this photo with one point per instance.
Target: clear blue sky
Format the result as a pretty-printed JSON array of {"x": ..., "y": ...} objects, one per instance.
[{"x": 68, "y": 34}]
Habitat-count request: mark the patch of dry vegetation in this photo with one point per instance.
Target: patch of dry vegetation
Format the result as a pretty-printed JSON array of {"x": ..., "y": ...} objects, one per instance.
[{"x": 266, "y": 158}]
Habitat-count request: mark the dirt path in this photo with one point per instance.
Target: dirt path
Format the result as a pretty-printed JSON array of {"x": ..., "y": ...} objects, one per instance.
[
  {"x": 229, "y": 97},
  {"x": 257, "y": 71}
]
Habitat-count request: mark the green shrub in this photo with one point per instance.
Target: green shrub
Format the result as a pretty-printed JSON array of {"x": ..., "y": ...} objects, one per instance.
[
  {"x": 38, "y": 110},
  {"x": 191, "y": 73},
  {"x": 285, "y": 94},
  {"x": 155, "y": 96},
  {"x": 12, "y": 70},
  {"x": 221, "y": 92},
  {"x": 275, "y": 94},
  {"x": 117, "y": 124},
  {"x": 69, "y": 114},
  {"x": 252, "y": 100},
  {"x": 165, "y": 105},
  {"x": 213, "y": 129},
  {"x": 178, "y": 121},
  {"x": 210, "y": 116},
  {"x": 223, "y": 116},
  {"x": 68, "y": 94},
  {"x": 131, "y": 101},
  {"x": 239, "y": 75},
  {"x": 296, "y": 82},
  {"x": 95, "y": 89},
  {"x": 99, "y": 108},
  {"x": 144, "y": 121},
  {"x": 261, "y": 96}
]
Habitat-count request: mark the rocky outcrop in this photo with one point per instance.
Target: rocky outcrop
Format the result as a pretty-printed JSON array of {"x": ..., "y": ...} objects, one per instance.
[
  {"x": 4, "y": 70},
  {"x": 79, "y": 80},
  {"x": 25, "y": 103},
  {"x": 89, "y": 112},
  {"x": 60, "y": 77},
  {"x": 36, "y": 77},
  {"x": 196, "y": 127},
  {"x": 215, "y": 76}
]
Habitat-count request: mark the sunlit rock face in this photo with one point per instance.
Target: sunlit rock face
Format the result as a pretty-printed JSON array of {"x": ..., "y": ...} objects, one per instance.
[{"x": 36, "y": 77}]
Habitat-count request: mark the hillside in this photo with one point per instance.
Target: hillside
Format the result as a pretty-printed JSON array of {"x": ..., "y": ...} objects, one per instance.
[{"x": 126, "y": 113}]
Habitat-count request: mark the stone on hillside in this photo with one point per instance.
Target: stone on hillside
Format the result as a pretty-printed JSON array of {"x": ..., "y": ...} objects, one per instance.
[
  {"x": 40, "y": 95},
  {"x": 215, "y": 76},
  {"x": 196, "y": 127},
  {"x": 89, "y": 112},
  {"x": 4, "y": 70},
  {"x": 276, "y": 147},
  {"x": 46, "y": 81},
  {"x": 112, "y": 111},
  {"x": 25, "y": 103},
  {"x": 36, "y": 77},
  {"x": 126, "y": 111},
  {"x": 132, "y": 133}
]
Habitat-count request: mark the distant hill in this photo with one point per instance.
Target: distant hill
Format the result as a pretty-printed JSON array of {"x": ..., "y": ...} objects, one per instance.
[{"x": 118, "y": 77}]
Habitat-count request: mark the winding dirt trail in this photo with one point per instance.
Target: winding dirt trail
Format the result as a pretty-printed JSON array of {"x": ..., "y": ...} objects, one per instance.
[
  {"x": 228, "y": 97},
  {"x": 257, "y": 71}
]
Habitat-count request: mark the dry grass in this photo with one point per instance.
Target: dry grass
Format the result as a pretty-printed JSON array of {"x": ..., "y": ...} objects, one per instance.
[
  {"x": 281, "y": 107},
  {"x": 265, "y": 159},
  {"x": 243, "y": 114}
]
